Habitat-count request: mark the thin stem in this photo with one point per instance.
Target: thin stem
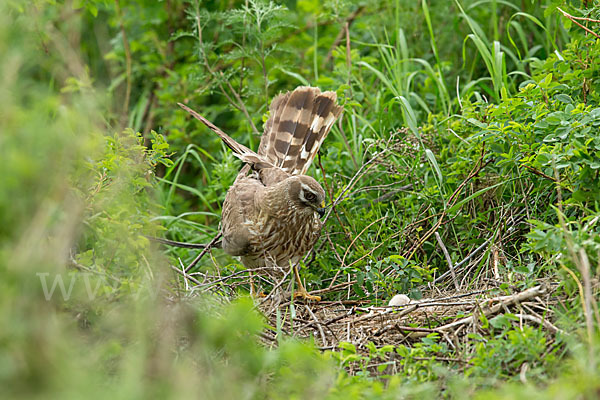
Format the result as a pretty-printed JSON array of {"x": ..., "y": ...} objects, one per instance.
[
  {"x": 574, "y": 19},
  {"x": 127, "y": 58},
  {"x": 237, "y": 103}
]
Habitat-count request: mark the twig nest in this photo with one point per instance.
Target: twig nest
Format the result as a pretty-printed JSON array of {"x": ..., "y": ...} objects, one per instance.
[{"x": 399, "y": 300}]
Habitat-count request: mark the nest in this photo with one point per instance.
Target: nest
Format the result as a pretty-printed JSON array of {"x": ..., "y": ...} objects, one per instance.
[{"x": 452, "y": 316}]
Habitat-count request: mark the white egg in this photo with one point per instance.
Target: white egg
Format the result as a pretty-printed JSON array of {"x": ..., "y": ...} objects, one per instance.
[{"x": 399, "y": 300}]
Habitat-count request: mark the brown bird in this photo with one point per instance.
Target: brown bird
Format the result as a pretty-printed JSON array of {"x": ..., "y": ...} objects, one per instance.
[{"x": 271, "y": 216}]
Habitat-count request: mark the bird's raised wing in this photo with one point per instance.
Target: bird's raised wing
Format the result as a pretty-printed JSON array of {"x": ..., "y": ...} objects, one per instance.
[{"x": 239, "y": 150}]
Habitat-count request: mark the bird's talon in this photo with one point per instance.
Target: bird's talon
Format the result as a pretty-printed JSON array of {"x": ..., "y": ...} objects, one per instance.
[
  {"x": 258, "y": 295},
  {"x": 307, "y": 296}
]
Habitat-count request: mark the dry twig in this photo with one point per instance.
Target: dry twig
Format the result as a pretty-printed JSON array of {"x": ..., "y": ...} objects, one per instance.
[
  {"x": 575, "y": 19},
  {"x": 448, "y": 259}
]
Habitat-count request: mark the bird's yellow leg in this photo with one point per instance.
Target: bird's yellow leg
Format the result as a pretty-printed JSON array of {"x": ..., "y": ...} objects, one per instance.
[
  {"x": 301, "y": 292},
  {"x": 253, "y": 292},
  {"x": 252, "y": 288}
]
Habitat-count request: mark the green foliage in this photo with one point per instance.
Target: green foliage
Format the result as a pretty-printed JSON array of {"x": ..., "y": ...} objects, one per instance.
[
  {"x": 119, "y": 205},
  {"x": 545, "y": 134},
  {"x": 87, "y": 305},
  {"x": 506, "y": 352}
]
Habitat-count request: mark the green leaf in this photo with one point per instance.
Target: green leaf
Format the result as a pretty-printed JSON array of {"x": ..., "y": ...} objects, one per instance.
[
  {"x": 478, "y": 193},
  {"x": 349, "y": 347},
  {"x": 563, "y": 98},
  {"x": 409, "y": 116},
  {"x": 477, "y": 123},
  {"x": 434, "y": 164}
]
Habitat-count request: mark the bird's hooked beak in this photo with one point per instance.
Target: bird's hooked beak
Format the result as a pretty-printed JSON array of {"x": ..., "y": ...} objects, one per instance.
[{"x": 321, "y": 210}]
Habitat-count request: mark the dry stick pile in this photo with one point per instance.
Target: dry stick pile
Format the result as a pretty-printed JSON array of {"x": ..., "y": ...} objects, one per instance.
[{"x": 452, "y": 317}]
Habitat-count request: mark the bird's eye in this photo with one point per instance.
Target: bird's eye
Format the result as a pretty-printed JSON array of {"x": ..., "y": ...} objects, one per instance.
[{"x": 309, "y": 196}]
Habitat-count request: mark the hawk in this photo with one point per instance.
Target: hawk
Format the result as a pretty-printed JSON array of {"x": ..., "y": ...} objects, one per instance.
[{"x": 271, "y": 212}]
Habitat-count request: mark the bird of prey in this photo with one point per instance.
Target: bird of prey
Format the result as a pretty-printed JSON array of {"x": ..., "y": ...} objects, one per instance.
[{"x": 271, "y": 212}]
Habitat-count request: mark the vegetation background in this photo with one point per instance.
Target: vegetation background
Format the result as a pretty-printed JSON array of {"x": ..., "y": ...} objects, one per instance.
[{"x": 473, "y": 120}]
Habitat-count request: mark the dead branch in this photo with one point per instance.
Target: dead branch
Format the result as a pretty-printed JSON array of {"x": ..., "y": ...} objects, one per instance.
[
  {"x": 504, "y": 301},
  {"x": 343, "y": 32},
  {"x": 203, "y": 252},
  {"x": 448, "y": 259},
  {"x": 184, "y": 245},
  {"x": 574, "y": 19}
]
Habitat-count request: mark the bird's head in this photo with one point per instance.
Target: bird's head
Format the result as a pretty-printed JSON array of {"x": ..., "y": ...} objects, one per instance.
[{"x": 306, "y": 193}]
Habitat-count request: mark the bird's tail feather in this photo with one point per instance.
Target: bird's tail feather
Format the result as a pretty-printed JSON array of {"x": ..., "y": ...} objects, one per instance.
[{"x": 298, "y": 124}]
